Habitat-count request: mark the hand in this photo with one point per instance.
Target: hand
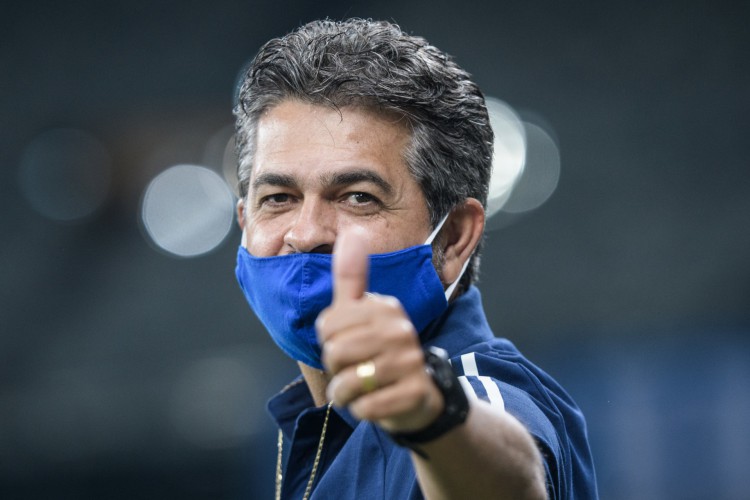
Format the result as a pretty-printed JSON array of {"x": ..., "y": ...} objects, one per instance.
[{"x": 360, "y": 327}]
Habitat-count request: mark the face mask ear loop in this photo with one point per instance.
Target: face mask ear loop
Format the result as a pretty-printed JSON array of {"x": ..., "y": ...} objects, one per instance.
[
  {"x": 449, "y": 290},
  {"x": 452, "y": 287},
  {"x": 437, "y": 229}
]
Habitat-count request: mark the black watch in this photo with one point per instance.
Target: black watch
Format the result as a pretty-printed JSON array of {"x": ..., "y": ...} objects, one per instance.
[{"x": 456, "y": 407}]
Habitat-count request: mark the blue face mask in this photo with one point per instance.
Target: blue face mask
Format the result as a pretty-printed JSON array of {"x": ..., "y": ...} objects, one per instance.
[{"x": 288, "y": 292}]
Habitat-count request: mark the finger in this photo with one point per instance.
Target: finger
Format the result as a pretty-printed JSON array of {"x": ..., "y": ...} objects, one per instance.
[
  {"x": 404, "y": 406},
  {"x": 332, "y": 321},
  {"x": 375, "y": 310},
  {"x": 387, "y": 369},
  {"x": 350, "y": 266},
  {"x": 361, "y": 343},
  {"x": 348, "y": 385}
]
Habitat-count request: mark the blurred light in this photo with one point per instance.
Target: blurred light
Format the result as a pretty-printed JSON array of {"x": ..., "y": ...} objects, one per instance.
[
  {"x": 65, "y": 174},
  {"x": 229, "y": 166},
  {"x": 509, "y": 153},
  {"x": 220, "y": 154},
  {"x": 215, "y": 403},
  {"x": 541, "y": 172},
  {"x": 187, "y": 210}
]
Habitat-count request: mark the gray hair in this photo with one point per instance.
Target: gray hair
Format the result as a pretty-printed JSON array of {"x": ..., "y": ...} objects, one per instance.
[{"x": 375, "y": 64}]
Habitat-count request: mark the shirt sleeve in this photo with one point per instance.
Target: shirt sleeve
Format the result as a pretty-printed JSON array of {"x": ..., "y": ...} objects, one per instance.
[{"x": 508, "y": 386}]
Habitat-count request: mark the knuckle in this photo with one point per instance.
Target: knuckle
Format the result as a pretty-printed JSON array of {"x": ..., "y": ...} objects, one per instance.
[
  {"x": 398, "y": 330},
  {"x": 385, "y": 303},
  {"x": 361, "y": 409},
  {"x": 321, "y": 321},
  {"x": 329, "y": 355},
  {"x": 341, "y": 393},
  {"x": 392, "y": 303},
  {"x": 406, "y": 326}
]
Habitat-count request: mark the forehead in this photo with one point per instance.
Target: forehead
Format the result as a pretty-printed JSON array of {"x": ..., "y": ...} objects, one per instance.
[{"x": 300, "y": 138}]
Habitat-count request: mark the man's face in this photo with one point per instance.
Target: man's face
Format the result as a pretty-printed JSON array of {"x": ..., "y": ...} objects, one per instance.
[{"x": 319, "y": 170}]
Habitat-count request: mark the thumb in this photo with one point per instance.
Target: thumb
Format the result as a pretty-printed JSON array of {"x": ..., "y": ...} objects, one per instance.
[{"x": 350, "y": 266}]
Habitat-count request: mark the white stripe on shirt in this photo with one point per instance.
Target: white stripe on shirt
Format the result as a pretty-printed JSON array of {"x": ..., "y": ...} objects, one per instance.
[
  {"x": 493, "y": 392},
  {"x": 469, "y": 363},
  {"x": 468, "y": 389}
]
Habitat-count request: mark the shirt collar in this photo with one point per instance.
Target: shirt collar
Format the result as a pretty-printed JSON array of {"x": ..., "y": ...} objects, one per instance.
[
  {"x": 463, "y": 324},
  {"x": 293, "y": 400}
]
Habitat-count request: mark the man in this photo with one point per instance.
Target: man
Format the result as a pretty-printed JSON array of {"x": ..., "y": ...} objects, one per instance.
[{"x": 365, "y": 156}]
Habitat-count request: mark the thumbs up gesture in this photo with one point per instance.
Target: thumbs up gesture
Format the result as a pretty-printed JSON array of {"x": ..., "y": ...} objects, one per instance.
[{"x": 371, "y": 350}]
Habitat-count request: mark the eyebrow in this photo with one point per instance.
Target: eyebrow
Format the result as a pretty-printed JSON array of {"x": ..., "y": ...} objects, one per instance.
[
  {"x": 271, "y": 179},
  {"x": 329, "y": 180},
  {"x": 355, "y": 176}
]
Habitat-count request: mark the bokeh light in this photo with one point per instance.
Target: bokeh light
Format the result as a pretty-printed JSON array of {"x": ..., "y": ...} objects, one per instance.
[
  {"x": 65, "y": 174},
  {"x": 509, "y": 153},
  {"x": 541, "y": 172},
  {"x": 220, "y": 153},
  {"x": 525, "y": 165},
  {"x": 187, "y": 210}
]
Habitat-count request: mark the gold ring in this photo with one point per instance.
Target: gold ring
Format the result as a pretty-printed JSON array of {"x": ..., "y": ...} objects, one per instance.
[{"x": 366, "y": 373}]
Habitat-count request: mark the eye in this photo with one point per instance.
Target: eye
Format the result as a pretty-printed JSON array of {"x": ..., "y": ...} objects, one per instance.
[
  {"x": 360, "y": 198},
  {"x": 275, "y": 200}
]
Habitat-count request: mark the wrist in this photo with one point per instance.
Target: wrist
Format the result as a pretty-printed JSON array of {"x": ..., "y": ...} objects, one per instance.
[{"x": 455, "y": 403}]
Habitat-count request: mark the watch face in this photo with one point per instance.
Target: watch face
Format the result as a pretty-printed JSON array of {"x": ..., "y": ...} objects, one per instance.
[
  {"x": 445, "y": 375},
  {"x": 439, "y": 366},
  {"x": 438, "y": 352}
]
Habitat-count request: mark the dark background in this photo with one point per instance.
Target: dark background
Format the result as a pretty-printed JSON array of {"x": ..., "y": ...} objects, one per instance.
[{"x": 127, "y": 373}]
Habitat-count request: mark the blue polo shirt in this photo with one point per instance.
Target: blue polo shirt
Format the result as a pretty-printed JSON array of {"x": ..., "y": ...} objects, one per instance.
[{"x": 360, "y": 461}]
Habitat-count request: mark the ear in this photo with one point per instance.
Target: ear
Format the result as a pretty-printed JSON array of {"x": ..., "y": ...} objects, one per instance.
[
  {"x": 241, "y": 220},
  {"x": 463, "y": 233},
  {"x": 241, "y": 213}
]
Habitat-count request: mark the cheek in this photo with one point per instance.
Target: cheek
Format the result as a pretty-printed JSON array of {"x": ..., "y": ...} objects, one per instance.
[
  {"x": 391, "y": 237},
  {"x": 263, "y": 240}
]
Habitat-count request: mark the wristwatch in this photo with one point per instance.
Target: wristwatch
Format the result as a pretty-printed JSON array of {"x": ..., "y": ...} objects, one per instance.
[{"x": 455, "y": 409}]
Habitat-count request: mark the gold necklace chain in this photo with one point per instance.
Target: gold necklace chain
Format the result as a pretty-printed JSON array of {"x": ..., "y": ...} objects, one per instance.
[{"x": 280, "y": 447}]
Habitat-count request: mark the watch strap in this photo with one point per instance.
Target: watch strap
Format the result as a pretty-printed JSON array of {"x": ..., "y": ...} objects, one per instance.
[{"x": 456, "y": 404}]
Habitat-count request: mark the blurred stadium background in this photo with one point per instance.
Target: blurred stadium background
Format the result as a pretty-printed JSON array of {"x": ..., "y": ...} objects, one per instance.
[{"x": 130, "y": 366}]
